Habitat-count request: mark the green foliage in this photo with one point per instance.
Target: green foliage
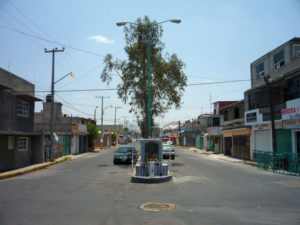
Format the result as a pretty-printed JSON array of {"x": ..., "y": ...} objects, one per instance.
[
  {"x": 93, "y": 133},
  {"x": 114, "y": 136},
  {"x": 167, "y": 81}
]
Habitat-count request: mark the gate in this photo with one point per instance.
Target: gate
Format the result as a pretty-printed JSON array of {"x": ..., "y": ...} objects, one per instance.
[{"x": 66, "y": 150}]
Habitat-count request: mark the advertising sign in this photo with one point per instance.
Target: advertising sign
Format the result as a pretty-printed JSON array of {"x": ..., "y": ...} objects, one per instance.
[{"x": 292, "y": 111}]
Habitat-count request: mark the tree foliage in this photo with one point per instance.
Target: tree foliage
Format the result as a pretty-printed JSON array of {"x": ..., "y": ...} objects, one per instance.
[
  {"x": 167, "y": 77},
  {"x": 93, "y": 133}
]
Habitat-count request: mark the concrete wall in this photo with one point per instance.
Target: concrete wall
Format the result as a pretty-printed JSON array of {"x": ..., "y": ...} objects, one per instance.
[
  {"x": 14, "y": 158},
  {"x": 8, "y": 110},
  {"x": 268, "y": 60},
  {"x": 16, "y": 83},
  {"x": 231, "y": 114}
]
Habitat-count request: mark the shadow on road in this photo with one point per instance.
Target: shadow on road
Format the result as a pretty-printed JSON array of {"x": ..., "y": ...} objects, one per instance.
[
  {"x": 177, "y": 164},
  {"x": 102, "y": 165}
]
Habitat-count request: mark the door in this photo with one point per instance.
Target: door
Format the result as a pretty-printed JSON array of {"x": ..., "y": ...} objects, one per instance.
[
  {"x": 107, "y": 141},
  {"x": 262, "y": 140},
  {"x": 228, "y": 145},
  {"x": 284, "y": 141},
  {"x": 66, "y": 145},
  {"x": 201, "y": 142}
]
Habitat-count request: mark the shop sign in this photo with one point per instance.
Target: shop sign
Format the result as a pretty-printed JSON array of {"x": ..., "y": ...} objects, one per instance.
[
  {"x": 75, "y": 128},
  {"x": 291, "y": 123},
  {"x": 292, "y": 111},
  {"x": 251, "y": 117}
]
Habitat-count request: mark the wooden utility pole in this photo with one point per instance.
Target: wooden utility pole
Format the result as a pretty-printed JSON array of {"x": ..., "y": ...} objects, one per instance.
[
  {"x": 52, "y": 152},
  {"x": 269, "y": 87}
]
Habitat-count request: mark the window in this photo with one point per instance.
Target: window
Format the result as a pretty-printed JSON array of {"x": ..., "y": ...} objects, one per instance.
[
  {"x": 260, "y": 70},
  {"x": 216, "y": 121},
  {"x": 23, "y": 143},
  {"x": 225, "y": 114},
  {"x": 10, "y": 142},
  {"x": 22, "y": 108},
  {"x": 296, "y": 51},
  {"x": 258, "y": 100},
  {"x": 236, "y": 113},
  {"x": 278, "y": 60},
  {"x": 293, "y": 88}
]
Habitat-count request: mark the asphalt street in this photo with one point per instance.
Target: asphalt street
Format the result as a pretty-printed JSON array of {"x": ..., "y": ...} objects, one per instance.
[{"x": 91, "y": 190}]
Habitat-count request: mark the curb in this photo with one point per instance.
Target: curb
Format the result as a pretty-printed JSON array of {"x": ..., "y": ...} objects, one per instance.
[
  {"x": 248, "y": 163},
  {"x": 21, "y": 172}
]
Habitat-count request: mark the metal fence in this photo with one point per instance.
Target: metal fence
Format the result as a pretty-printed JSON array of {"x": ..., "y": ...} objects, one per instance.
[{"x": 282, "y": 163}]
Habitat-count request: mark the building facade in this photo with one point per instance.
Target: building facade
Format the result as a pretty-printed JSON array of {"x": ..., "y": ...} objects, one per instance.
[
  {"x": 275, "y": 93},
  {"x": 19, "y": 145}
]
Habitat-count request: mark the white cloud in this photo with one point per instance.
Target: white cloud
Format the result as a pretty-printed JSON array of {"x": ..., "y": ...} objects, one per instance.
[{"x": 102, "y": 39}]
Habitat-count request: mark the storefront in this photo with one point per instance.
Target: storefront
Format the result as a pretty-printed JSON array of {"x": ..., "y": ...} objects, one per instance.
[
  {"x": 291, "y": 125},
  {"x": 214, "y": 139},
  {"x": 237, "y": 142}
]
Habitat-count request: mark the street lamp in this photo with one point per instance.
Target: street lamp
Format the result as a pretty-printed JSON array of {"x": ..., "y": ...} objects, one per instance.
[
  {"x": 95, "y": 112},
  {"x": 116, "y": 107},
  {"x": 52, "y": 113},
  {"x": 149, "y": 26}
]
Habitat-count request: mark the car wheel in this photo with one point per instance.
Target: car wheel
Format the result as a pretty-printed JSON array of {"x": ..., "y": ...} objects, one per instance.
[
  {"x": 115, "y": 162},
  {"x": 173, "y": 157}
]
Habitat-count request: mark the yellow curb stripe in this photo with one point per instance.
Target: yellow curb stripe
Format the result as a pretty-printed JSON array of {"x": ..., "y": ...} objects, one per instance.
[{"x": 13, "y": 174}]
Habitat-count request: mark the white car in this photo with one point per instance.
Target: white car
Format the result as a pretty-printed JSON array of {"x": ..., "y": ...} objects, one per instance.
[{"x": 168, "y": 150}]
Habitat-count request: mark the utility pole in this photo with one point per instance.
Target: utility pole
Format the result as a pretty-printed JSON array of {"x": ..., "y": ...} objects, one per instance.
[
  {"x": 268, "y": 83},
  {"x": 52, "y": 153},
  {"x": 116, "y": 107},
  {"x": 210, "y": 102},
  {"x": 95, "y": 113},
  {"x": 102, "y": 112}
]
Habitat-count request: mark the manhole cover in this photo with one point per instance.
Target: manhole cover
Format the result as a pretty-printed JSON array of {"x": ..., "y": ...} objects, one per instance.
[{"x": 157, "y": 206}]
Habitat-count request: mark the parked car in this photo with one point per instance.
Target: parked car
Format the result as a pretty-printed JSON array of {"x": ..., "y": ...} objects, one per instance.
[
  {"x": 124, "y": 154},
  {"x": 168, "y": 150}
]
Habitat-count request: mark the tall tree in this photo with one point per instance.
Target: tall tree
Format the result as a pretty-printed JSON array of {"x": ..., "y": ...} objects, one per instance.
[{"x": 167, "y": 77}]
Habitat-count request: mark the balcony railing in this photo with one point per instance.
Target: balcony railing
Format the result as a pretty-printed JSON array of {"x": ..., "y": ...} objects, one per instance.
[{"x": 266, "y": 112}]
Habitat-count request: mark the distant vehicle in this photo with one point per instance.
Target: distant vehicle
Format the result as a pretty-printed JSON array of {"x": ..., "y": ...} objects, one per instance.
[
  {"x": 168, "y": 150},
  {"x": 124, "y": 154}
]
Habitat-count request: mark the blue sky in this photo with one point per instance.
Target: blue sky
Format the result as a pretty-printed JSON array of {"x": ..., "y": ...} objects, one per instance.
[{"x": 217, "y": 40}]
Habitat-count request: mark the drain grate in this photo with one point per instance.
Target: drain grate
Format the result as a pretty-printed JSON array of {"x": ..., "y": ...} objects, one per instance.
[{"x": 157, "y": 206}]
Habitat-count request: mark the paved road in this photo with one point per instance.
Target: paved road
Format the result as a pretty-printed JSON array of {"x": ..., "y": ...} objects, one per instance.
[{"x": 91, "y": 190}]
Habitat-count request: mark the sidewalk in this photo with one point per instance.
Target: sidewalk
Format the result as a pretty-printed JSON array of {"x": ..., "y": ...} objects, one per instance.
[
  {"x": 39, "y": 166},
  {"x": 220, "y": 156}
]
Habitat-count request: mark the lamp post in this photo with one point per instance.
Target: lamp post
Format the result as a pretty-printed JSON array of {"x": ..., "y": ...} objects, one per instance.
[
  {"x": 149, "y": 26},
  {"x": 52, "y": 156},
  {"x": 95, "y": 112},
  {"x": 116, "y": 107}
]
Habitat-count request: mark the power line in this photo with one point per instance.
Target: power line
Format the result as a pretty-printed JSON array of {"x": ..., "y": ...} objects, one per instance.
[
  {"x": 217, "y": 82},
  {"x": 53, "y": 42},
  {"x": 115, "y": 89}
]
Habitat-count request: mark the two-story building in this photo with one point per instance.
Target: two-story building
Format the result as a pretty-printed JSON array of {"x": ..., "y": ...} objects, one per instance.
[
  {"x": 70, "y": 132},
  {"x": 275, "y": 80},
  {"x": 19, "y": 145},
  {"x": 236, "y": 136}
]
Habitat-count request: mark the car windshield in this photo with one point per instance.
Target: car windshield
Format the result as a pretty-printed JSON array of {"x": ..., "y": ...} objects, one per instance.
[
  {"x": 167, "y": 147},
  {"x": 124, "y": 149}
]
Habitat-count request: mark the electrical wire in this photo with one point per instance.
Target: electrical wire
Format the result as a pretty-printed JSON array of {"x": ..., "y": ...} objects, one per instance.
[{"x": 53, "y": 42}]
